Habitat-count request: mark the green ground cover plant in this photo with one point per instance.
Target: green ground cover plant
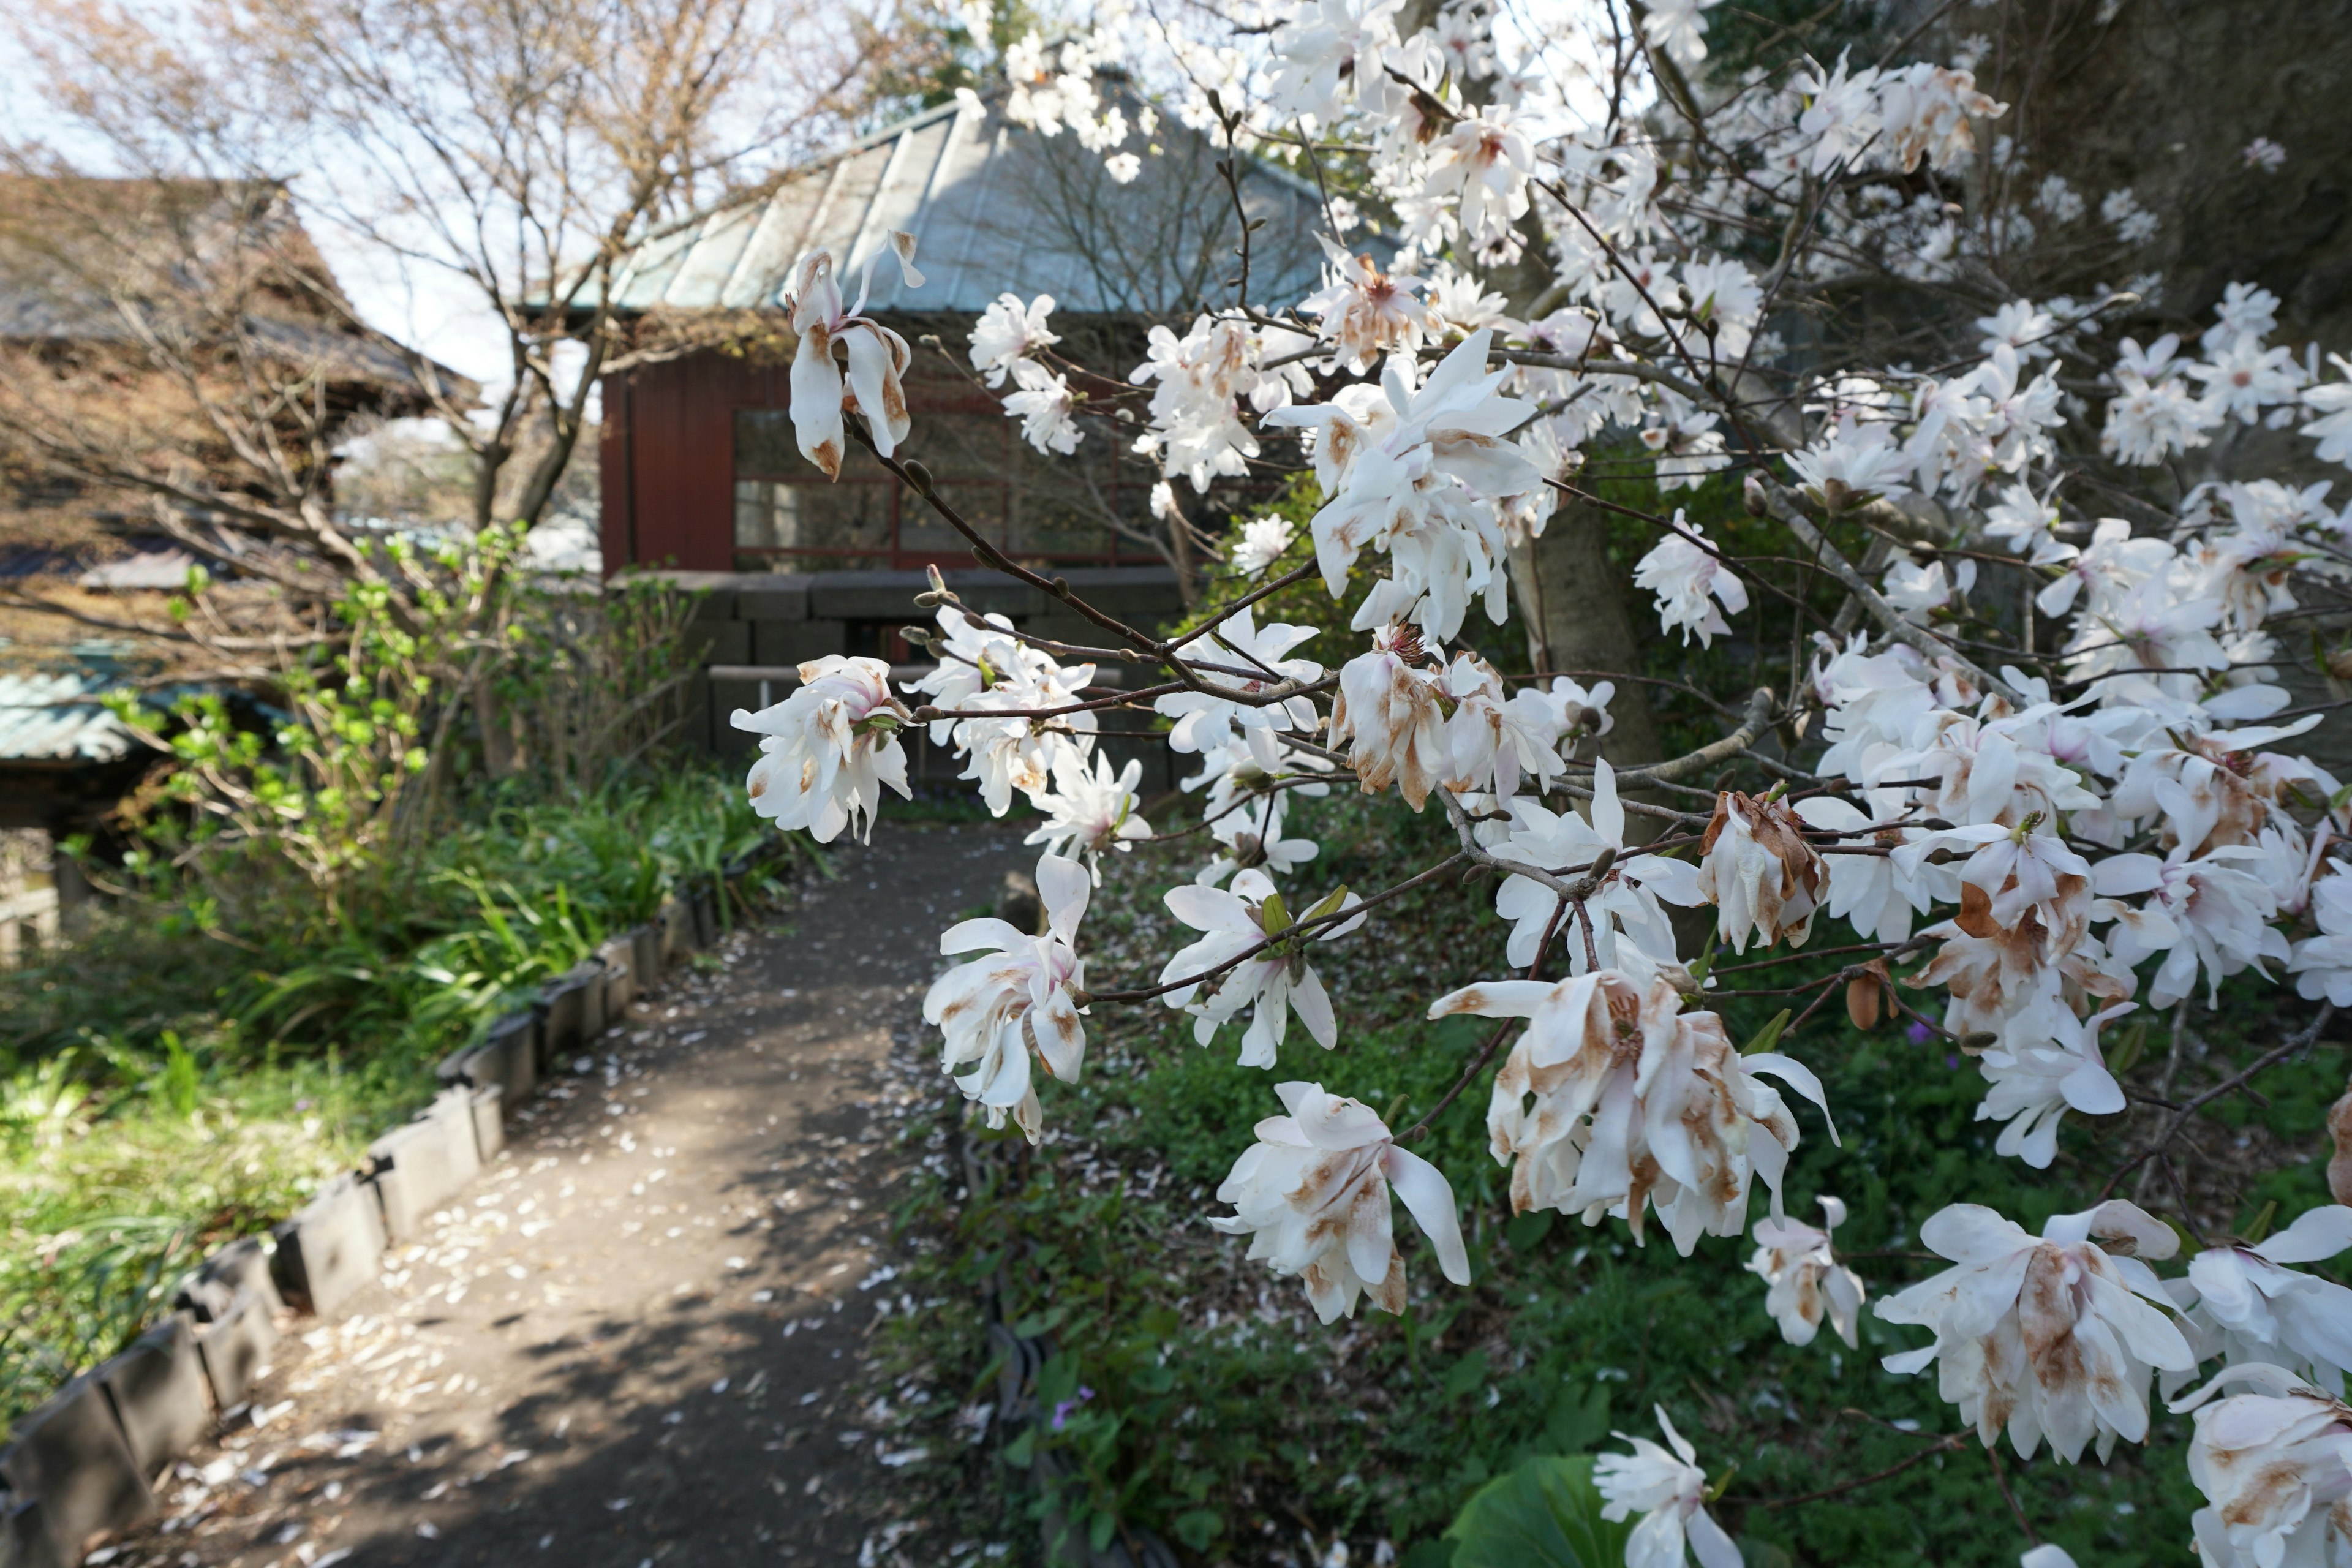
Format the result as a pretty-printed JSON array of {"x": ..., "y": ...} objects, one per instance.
[
  {"x": 162, "y": 1089},
  {"x": 1194, "y": 1393}
]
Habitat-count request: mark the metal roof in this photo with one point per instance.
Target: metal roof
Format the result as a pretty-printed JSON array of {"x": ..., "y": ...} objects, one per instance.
[
  {"x": 994, "y": 206},
  {"x": 55, "y": 718}
]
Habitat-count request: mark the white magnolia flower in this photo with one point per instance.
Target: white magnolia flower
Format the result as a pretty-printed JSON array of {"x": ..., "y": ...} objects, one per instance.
[
  {"x": 1808, "y": 1283},
  {"x": 1758, "y": 871},
  {"x": 1399, "y": 464},
  {"x": 1044, "y": 405},
  {"x": 2332, "y": 403},
  {"x": 1669, "y": 1491},
  {"x": 1582, "y": 710},
  {"x": 1876, "y": 893},
  {"x": 1367, "y": 313},
  {"x": 1312, "y": 1194},
  {"x": 1485, "y": 158},
  {"x": 2250, "y": 1306},
  {"x": 1386, "y": 713},
  {"x": 1495, "y": 737},
  {"x": 1690, "y": 582},
  {"x": 876, "y": 357},
  {"x": 1630, "y": 932},
  {"x": 2047, "y": 1062},
  {"x": 1852, "y": 461},
  {"x": 1679, "y": 27},
  {"x": 2322, "y": 964},
  {"x": 2056, "y": 1337},
  {"x": 1248, "y": 660},
  {"x": 1328, "y": 53},
  {"x": 826, "y": 751},
  {"x": 1006, "y": 332},
  {"x": 1636, "y": 1104},
  {"x": 2275, "y": 1467},
  {"x": 998, "y": 1011},
  {"x": 1840, "y": 113},
  {"x": 1272, "y": 985},
  {"x": 1088, "y": 812},
  {"x": 1262, "y": 543},
  {"x": 1250, "y": 831}
]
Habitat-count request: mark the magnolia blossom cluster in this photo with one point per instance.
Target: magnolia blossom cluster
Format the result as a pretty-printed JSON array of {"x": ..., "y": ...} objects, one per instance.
[{"x": 2055, "y": 846}]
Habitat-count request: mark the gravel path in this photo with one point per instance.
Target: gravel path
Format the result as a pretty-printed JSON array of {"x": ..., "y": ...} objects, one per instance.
[{"x": 636, "y": 1338}]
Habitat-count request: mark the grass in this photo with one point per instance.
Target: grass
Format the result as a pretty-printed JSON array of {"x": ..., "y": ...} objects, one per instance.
[
  {"x": 162, "y": 1091},
  {"x": 1199, "y": 1398}
]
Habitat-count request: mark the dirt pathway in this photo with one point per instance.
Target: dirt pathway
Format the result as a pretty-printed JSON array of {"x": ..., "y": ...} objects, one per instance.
[{"x": 636, "y": 1338}]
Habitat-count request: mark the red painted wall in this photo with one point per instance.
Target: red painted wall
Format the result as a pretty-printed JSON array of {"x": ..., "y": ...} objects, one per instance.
[{"x": 667, "y": 459}]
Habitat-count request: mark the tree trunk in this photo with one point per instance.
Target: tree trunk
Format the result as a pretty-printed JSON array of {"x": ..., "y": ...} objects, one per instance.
[{"x": 1573, "y": 603}]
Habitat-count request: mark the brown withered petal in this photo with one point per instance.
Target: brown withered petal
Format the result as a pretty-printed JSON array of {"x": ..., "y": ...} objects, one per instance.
[
  {"x": 1976, "y": 911},
  {"x": 2339, "y": 1166}
]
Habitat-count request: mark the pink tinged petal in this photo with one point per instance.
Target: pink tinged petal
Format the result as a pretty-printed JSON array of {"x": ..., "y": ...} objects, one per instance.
[
  {"x": 1063, "y": 887},
  {"x": 1429, "y": 1200},
  {"x": 2320, "y": 1233}
]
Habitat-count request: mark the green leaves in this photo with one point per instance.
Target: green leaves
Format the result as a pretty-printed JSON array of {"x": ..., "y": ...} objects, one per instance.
[
  {"x": 1768, "y": 1035},
  {"x": 1544, "y": 1514}
]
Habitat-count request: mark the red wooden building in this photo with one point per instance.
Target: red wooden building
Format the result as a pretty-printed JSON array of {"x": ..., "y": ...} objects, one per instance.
[{"x": 700, "y": 470}]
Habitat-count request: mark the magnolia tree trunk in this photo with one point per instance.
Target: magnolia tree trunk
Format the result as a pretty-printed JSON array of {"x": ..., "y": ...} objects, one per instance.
[{"x": 1577, "y": 609}]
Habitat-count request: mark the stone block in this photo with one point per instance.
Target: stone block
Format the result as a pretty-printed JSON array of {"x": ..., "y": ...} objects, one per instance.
[
  {"x": 488, "y": 1108},
  {"x": 421, "y": 1166},
  {"x": 470, "y": 1063},
  {"x": 515, "y": 1038},
  {"x": 331, "y": 1246},
  {"x": 24, "y": 1536},
  {"x": 679, "y": 936},
  {"x": 714, "y": 591},
  {"x": 70, "y": 1455},
  {"x": 243, "y": 1264},
  {"x": 576, "y": 1011},
  {"x": 619, "y": 956},
  {"x": 867, "y": 596},
  {"x": 788, "y": 644},
  {"x": 719, "y": 642},
  {"x": 236, "y": 1349},
  {"x": 161, "y": 1397},
  {"x": 645, "y": 952},
  {"x": 772, "y": 597}
]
